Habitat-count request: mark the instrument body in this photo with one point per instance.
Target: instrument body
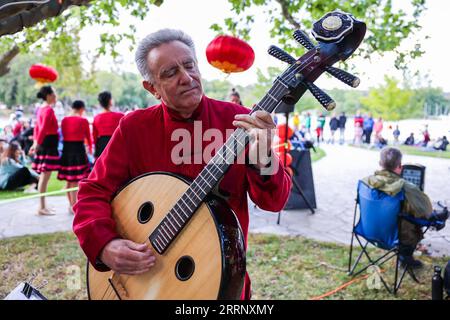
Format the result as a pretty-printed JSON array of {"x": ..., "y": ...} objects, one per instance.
[{"x": 213, "y": 240}]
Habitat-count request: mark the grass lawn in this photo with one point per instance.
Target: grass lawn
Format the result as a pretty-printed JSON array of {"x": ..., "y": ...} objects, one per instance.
[
  {"x": 53, "y": 185},
  {"x": 417, "y": 151},
  {"x": 414, "y": 151},
  {"x": 280, "y": 268}
]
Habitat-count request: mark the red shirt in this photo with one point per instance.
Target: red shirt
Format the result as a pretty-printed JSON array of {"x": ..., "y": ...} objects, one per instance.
[
  {"x": 105, "y": 123},
  {"x": 17, "y": 128},
  {"x": 46, "y": 124},
  {"x": 142, "y": 143},
  {"x": 358, "y": 119},
  {"x": 76, "y": 128}
]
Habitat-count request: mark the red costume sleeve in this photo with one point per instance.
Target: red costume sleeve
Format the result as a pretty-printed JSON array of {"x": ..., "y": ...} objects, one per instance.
[
  {"x": 93, "y": 223},
  {"x": 269, "y": 192}
]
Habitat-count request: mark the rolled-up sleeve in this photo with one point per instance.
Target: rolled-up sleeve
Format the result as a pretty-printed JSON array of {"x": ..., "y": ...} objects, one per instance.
[{"x": 269, "y": 192}]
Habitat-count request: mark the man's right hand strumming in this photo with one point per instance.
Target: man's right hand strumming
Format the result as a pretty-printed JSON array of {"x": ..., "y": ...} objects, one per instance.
[{"x": 127, "y": 257}]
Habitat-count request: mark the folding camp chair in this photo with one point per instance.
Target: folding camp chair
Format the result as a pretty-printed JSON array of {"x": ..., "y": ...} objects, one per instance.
[{"x": 379, "y": 215}]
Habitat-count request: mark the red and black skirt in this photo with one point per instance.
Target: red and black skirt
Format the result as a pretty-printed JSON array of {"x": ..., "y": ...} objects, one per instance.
[
  {"x": 74, "y": 162},
  {"x": 47, "y": 155},
  {"x": 100, "y": 145}
]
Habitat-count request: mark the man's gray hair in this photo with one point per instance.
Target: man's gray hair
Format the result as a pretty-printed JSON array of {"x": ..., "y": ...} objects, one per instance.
[
  {"x": 154, "y": 40},
  {"x": 390, "y": 158}
]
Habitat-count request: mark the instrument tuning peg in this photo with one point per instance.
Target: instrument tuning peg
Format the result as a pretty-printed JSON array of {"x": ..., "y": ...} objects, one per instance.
[
  {"x": 321, "y": 96},
  {"x": 280, "y": 54},
  {"x": 339, "y": 74},
  {"x": 302, "y": 38},
  {"x": 343, "y": 76}
]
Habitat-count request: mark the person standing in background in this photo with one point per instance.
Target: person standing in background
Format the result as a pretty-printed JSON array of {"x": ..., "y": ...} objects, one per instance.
[
  {"x": 357, "y": 140},
  {"x": 320, "y": 127},
  {"x": 105, "y": 123},
  {"x": 296, "y": 121},
  {"x": 308, "y": 123},
  {"x": 368, "y": 128},
  {"x": 378, "y": 128},
  {"x": 334, "y": 125},
  {"x": 45, "y": 146},
  {"x": 74, "y": 162},
  {"x": 342, "y": 121},
  {"x": 358, "y": 118},
  {"x": 396, "y": 134}
]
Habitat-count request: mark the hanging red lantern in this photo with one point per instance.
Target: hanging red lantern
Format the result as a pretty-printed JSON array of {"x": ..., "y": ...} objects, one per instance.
[
  {"x": 230, "y": 54},
  {"x": 290, "y": 171},
  {"x": 43, "y": 74},
  {"x": 288, "y": 156},
  {"x": 281, "y": 131}
]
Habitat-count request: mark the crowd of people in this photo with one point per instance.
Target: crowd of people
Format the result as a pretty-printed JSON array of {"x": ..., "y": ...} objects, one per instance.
[
  {"x": 367, "y": 130},
  {"x": 68, "y": 145}
]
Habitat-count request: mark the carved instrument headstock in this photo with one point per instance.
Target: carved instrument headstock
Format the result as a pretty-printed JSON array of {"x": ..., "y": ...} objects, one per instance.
[{"x": 338, "y": 35}]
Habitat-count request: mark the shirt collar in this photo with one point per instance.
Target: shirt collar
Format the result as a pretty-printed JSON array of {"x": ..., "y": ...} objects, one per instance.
[{"x": 172, "y": 115}]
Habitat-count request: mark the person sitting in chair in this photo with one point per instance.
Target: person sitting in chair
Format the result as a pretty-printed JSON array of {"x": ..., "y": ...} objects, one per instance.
[{"x": 416, "y": 203}]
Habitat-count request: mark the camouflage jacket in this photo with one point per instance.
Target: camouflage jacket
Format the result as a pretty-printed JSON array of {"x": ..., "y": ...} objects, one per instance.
[{"x": 416, "y": 203}]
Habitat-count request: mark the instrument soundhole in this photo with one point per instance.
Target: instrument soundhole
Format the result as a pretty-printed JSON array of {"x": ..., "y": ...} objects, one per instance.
[
  {"x": 184, "y": 268},
  {"x": 145, "y": 212}
]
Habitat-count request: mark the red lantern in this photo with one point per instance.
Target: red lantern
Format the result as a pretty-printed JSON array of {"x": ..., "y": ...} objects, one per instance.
[
  {"x": 43, "y": 74},
  {"x": 281, "y": 131},
  {"x": 290, "y": 171},
  {"x": 281, "y": 155},
  {"x": 230, "y": 54}
]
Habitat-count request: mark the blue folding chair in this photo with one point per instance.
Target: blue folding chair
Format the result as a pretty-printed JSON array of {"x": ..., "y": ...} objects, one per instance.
[{"x": 378, "y": 225}]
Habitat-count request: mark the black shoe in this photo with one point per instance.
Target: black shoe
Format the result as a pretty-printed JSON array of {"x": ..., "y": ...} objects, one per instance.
[{"x": 409, "y": 261}]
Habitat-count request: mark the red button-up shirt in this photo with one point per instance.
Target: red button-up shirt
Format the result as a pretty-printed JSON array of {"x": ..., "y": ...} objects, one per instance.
[{"x": 142, "y": 143}]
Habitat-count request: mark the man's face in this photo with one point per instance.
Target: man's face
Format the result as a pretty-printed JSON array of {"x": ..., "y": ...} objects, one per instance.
[{"x": 176, "y": 78}]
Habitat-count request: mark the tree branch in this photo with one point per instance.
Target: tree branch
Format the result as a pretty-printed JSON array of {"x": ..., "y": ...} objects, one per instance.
[
  {"x": 6, "y": 59},
  {"x": 25, "y": 19},
  {"x": 285, "y": 12}
]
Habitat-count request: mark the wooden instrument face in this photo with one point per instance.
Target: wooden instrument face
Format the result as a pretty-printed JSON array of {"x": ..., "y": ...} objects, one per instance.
[{"x": 199, "y": 241}]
